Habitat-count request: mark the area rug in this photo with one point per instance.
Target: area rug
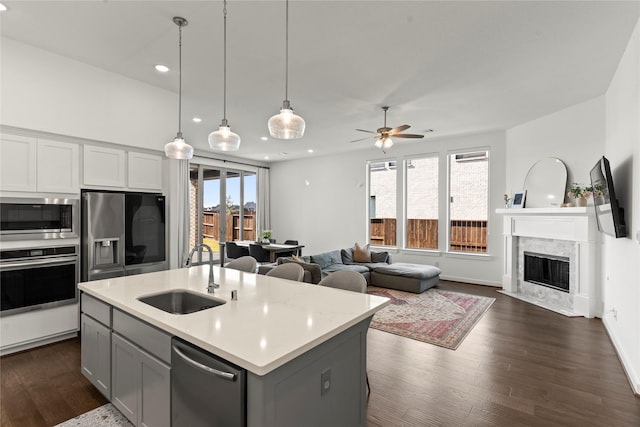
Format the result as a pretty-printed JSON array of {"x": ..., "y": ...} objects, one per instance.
[
  {"x": 436, "y": 317},
  {"x": 104, "y": 416}
]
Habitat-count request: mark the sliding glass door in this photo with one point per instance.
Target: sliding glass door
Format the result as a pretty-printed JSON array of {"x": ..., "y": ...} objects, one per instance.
[{"x": 222, "y": 208}]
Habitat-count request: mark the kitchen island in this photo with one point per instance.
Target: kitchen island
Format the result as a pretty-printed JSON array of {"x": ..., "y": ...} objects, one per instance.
[{"x": 303, "y": 346}]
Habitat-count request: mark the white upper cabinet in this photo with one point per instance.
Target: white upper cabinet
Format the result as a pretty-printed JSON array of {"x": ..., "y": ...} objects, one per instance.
[
  {"x": 30, "y": 164},
  {"x": 58, "y": 167},
  {"x": 18, "y": 163},
  {"x": 145, "y": 171},
  {"x": 104, "y": 167}
]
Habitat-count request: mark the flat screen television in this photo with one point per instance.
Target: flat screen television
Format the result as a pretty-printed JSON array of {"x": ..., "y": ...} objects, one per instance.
[{"x": 610, "y": 216}]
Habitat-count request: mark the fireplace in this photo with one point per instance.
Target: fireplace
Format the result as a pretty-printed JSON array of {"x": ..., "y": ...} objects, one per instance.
[
  {"x": 551, "y": 258},
  {"x": 547, "y": 270}
]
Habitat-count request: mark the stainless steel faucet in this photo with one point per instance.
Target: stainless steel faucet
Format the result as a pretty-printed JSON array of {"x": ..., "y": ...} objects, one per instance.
[{"x": 212, "y": 285}]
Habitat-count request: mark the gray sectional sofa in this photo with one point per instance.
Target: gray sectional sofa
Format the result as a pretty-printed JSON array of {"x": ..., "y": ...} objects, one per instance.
[{"x": 379, "y": 272}]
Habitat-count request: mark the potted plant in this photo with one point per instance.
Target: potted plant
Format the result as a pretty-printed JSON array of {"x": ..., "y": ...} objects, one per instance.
[
  {"x": 580, "y": 193},
  {"x": 266, "y": 236}
]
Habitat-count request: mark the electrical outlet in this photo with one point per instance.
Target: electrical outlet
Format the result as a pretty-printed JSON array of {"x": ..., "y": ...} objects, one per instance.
[
  {"x": 614, "y": 312},
  {"x": 325, "y": 382}
]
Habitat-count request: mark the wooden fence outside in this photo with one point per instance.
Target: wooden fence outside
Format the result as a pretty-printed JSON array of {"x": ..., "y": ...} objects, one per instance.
[
  {"x": 465, "y": 235},
  {"x": 211, "y": 226}
]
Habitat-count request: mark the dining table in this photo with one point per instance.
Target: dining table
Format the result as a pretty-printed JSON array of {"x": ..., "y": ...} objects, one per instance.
[{"x": 273, "y": 248}]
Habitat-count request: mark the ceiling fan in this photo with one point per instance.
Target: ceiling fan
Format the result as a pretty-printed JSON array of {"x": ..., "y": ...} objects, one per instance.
[{"x": 383, "y": 135}]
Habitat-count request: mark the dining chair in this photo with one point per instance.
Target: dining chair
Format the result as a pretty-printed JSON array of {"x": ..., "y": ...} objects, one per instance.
[
  {"x": 290, "y": 253},
  {"x": 259, "y": 253},
  {"x": 348, "y": 281},
  {"x": 234, "y": 251},
  {"x": 245, "y": 263},
  {"x": 290, "y": 270}
]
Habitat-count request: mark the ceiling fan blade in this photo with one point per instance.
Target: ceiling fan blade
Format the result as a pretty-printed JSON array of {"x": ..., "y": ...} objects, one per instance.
[
  {"x": 368, "y": 131},
  {"x": 407, "y": 135},
  {"x": 362, "y": 139},
  {"x": 398, "y": 129}
]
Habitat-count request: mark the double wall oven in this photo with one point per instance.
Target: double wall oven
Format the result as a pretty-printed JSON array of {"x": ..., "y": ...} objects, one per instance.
[{"x": 39, "y": 263}]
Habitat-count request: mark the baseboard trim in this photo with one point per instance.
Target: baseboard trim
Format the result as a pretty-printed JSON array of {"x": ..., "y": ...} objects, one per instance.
[
  {"x": 471, "y": 281},
  {"x": 627, "y": 366}
]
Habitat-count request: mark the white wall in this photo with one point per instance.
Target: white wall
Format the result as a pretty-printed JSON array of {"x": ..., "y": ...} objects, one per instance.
[
  {"x": 620, "y": 263},
  {"x": 46, "y": 92},
  {"x": 575, "y": 135},
  {"x": 330, "y": 212}
]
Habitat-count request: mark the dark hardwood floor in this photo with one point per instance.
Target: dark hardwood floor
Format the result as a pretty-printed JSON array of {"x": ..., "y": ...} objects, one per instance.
[{"x": 520, "y": 366}]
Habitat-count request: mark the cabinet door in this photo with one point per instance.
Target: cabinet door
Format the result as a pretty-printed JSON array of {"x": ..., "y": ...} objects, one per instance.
[
  {"x": 155, "y": 392},
  {"x": 144, "y": 171},
  {"x": 103, "y": 167},
  {"x": 125, "y": 377},
  {"x": 58, "y": 166},
  {"x": 17, "y": 163},
  {"x": 96, "y": 354}
]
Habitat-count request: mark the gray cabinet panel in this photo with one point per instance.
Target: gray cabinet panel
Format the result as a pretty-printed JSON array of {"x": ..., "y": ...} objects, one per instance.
[
  {"x": 125, "y": 377},
  {"x": 96, "y": 309},
  {"x": 96, "y": 354},
  {"x": 146, "y": 336},
  {"x": 155, "y": 392}
]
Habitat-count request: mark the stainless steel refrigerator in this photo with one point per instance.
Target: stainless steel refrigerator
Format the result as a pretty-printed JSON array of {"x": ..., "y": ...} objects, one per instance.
[{"x": 122, "y": 234}]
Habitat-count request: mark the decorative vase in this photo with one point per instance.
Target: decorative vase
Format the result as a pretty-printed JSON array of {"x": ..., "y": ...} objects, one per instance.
[{"x": 581, "y": 202}]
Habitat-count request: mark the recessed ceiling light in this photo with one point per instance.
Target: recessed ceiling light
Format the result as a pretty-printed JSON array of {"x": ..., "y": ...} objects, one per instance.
[
  {"x": 2, "y": 7},
  {"x": 266, "y": 157},
  {"x": 264, "y": 138},
  {"x": 310, "y": 150},
  {"x": 162, "y": 68},
  {"x": 197, "y": 120}
]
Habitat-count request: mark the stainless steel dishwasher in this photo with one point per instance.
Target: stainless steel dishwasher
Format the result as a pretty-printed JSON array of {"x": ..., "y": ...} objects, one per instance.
[{"x": 205, "y": 390}]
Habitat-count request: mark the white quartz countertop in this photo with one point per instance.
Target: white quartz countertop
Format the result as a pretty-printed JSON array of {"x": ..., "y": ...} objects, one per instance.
[{"x": 272, "y": 322}]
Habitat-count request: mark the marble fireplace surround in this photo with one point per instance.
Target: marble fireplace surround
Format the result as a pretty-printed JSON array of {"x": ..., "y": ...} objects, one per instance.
[{"x": 568, "y": 232}]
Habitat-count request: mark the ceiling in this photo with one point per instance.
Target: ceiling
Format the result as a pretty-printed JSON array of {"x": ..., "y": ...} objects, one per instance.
[{"x": 451, "y": 66}]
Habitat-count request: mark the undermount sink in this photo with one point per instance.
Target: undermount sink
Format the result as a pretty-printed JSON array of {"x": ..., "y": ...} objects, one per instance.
[{"x": 181, "y": 302}]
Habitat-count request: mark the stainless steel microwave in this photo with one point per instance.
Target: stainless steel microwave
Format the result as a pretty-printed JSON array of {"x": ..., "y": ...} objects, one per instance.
[{"x": 46, "y": 218}]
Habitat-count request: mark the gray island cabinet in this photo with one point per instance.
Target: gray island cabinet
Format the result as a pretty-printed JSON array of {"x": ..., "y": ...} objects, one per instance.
[{"x": 301, "y": 350}]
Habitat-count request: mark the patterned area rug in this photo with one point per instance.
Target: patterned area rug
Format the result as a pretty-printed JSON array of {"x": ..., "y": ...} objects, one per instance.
[
  {"x": 436, "y": 317},
  {"x": 104, "y": 416}
]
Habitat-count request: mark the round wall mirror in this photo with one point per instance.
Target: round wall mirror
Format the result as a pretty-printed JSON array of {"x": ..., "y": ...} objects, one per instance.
[{"x": 546, "y": 183}]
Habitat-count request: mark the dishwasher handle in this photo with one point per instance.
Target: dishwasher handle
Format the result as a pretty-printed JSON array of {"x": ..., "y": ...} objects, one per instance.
[{"x": 224, "y": 375}]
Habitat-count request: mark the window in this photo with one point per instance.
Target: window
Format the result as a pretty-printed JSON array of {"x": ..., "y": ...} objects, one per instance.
[
  {"x": 422, "y": 203},
  {"x": 223, "y": 207},
  {"x": 468, "y": 201},
  {"x": 382, "y": 203}
]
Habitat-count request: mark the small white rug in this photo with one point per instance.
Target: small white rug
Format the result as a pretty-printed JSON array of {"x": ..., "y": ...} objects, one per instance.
[{"x": 104, "y": 416}]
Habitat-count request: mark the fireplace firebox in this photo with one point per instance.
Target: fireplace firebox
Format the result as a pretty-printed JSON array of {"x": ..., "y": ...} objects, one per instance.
[{"x": 547, "y": 270}]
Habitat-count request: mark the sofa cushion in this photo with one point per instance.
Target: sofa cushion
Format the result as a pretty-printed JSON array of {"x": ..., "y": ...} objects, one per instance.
[
  {"x": 373, "y": 265},
  {"x": 347, "y": 255},
  {"x": 358, "y": 268},
  {"x": 361, "y": 254},
  {"x": 417, "y": 271},
  {"x": 327, "y": 258},
  {"x": 380, "y": 257},
  {"x": 301, "y": 258},
  {"x": 312, "y": 273}
]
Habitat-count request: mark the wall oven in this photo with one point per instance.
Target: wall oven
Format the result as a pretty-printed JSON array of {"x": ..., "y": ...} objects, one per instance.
[
  {"x": 43, "y": 218},
  {"x": 36, "y": 278}
]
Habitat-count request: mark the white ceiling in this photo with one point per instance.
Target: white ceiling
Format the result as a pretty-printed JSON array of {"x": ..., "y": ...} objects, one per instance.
[{"x": 455, "y": 67}]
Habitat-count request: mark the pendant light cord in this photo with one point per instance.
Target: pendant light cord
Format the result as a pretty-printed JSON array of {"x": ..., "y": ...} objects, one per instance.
[
  {"x": 224, "y": 96},
  {"x": 286, "y": 53},
  {"x": 180, "y": 81}
]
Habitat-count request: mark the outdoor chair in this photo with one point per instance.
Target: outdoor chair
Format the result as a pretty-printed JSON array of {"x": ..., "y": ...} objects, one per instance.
[
  {"x": 290, "y": 271},
  {"x": 245, "y": 263}
]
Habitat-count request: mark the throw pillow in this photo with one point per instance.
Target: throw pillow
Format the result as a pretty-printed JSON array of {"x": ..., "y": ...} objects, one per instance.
[
  {"x": 361, "y": 254},
  {"x": 347, "y": 255},
  {"x": 379, "y": 256},
  {"x": 327, "y": 258}
]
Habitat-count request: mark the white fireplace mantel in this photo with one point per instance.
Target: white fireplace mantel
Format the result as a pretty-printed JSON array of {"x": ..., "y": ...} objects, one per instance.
[{"x": 576, "y": 225}]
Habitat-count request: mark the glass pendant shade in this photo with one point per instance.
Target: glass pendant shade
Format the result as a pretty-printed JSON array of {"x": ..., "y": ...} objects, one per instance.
[
  {"x": 287, "y": 124},
  {"x": 384, "y": 142},
  {"x": 223, "y": 139},
  {"x": 178, "y": 149}
]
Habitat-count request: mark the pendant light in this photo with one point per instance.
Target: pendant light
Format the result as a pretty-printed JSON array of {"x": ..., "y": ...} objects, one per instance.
[
  {"x": 286, "y": 125},
  {"x": 223, "y": 139},
  {"x": 178, "y": 149}
]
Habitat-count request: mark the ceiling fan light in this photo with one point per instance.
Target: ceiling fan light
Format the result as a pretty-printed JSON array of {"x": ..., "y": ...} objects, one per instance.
[
  {"x": 387, "y": 143},
  {"x": 178, "y": 149},
  {"x": 286, "y": 124},
  {"x": 223, "y": 139},
  {"x": 378, "y": 143}
]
